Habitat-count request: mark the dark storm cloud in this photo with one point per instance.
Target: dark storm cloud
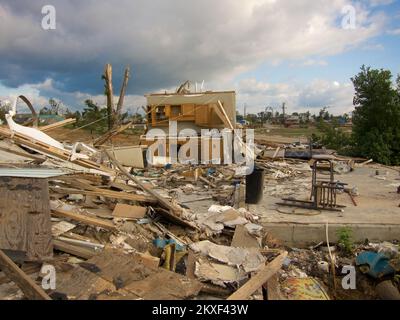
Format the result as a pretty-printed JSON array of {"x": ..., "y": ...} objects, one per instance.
[{"x": 164, "y": 42}]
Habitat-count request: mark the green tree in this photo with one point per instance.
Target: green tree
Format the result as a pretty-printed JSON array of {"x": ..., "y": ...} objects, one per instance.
[
  {"x": 93, "y": 117},
  {"x": 376, "y": 119},
  {"x": 252, "y": 118},
  {"x": 333, "y": 137}
]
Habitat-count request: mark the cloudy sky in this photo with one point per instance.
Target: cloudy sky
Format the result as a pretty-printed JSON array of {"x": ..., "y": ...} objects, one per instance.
[{"x": 302, "y": 52}]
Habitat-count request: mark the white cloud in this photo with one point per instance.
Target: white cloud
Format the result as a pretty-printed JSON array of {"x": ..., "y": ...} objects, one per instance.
[
  {"x": 298, "y": 97},
  {"x": 310, "y": 62},
  {"x": 170, "y": 41},
  {"x": 167, "y": 42},
  {"x": 395, "y": 32}
]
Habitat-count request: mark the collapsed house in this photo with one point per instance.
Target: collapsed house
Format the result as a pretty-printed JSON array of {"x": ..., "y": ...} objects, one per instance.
[{"x": 111, "y": 227}]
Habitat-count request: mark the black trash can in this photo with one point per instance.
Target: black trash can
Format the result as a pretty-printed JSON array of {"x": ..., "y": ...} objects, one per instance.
[{"x": 255, "y": 186}]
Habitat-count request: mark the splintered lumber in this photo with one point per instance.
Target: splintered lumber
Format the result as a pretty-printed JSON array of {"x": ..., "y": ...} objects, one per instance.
[
  {"x": 58, "y": 124},
  {"x": 84, "y": 219},
  {"x": 51, "y": 151},
  {"x": 30, "y": 289},
  {"x": 258, "y": 280},
  {"x": 107, "y": 194},
  {"x": 175, "y": 211}
]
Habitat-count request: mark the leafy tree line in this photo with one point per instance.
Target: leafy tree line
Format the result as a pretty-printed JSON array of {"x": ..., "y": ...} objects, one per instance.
[{"x": 376, "y": 119}]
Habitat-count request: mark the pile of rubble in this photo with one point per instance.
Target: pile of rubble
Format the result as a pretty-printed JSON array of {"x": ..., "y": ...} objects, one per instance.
[
  {"x": 108, "y": 231},
  {"x": 114, "y": 232}
]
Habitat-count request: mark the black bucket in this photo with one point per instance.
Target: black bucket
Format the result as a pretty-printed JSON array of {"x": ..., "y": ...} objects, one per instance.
[{"x": 255, "y": 186}]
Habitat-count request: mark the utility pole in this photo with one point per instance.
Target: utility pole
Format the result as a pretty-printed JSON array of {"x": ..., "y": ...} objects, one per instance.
[
  {"x": 244, "y": 110},
  {"x": 283, "y": 111}
]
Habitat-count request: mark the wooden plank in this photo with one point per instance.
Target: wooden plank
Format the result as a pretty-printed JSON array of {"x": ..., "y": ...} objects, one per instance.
[
  {"x": 77, "y": 182},
  {"x": 58, "y": 124},
  {"x": 30, "y": 289},
  {"x": 106, "y": 194},
  {"x": 127, "y": 211},
  {"x": 257, "y": 281},
  {"x": 84, "y": 219},
  {"x": 272, "y": 288},
  {"x": 225, "y": 116}
]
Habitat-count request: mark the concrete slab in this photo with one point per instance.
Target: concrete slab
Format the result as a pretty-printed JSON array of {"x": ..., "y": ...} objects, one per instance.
[{"x": 376, "y": 218}]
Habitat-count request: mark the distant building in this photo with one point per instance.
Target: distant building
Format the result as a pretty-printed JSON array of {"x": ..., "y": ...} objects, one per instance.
[{"x": 292, "y": 121}]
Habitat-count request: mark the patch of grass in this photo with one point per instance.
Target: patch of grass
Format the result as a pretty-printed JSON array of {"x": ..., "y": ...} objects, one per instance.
[
  {"x": 290, "y": 132},
  {"x": 345, "y": 240}
]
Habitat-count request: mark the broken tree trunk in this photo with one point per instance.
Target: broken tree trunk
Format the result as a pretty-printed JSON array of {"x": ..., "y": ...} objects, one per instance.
[
  {"x": 257, "y": 281},
  {"x": 122, "y": 96},
  {"x": 110, "y": 94},
  {"x": 30, "y": 289}
]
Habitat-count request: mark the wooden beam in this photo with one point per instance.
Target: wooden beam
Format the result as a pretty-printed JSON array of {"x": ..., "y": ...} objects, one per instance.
[
  {"x": 58, "y": 124},
  {"x": 225, "y": 115},
  {"x": 30, "y": 289},
  {"x": 77, "y": 182},
  {"x": 221, "y": 115},
  {"x": 107, "y": 194},
  {"x": 84, "y": 219},
  {"x": 28, "y": 269},
  {"x": 257, "y": 281}
]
